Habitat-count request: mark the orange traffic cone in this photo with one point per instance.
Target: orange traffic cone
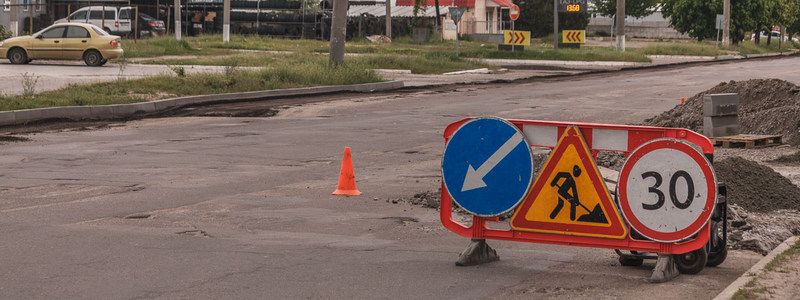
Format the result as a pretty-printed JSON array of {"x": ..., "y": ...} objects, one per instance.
[{"x": 347, "y": 177}]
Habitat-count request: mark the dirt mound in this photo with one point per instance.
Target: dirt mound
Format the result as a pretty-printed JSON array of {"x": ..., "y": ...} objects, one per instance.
[
  {"x": 768, "y": 106},
  {"x": 755, "y": 187}
]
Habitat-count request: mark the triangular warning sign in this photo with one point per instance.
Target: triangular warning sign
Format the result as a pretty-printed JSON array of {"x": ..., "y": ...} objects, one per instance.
[{"x": 569, "y": 196}]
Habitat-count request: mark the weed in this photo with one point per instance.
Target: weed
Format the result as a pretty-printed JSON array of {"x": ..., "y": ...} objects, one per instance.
[
  {"x": 122, "y": 64},
  {"x": 180, "y": 71},
  {"x": 29, "y": 82},
  {"x": 231, "y": 67}
]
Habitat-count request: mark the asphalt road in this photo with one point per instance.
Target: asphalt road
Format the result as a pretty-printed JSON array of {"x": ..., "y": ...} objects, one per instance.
[
  {"x": 51, "y": 75},
  {"x": 224, "y": 207}
]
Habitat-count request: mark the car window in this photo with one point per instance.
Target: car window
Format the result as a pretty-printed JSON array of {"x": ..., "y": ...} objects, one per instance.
[
  {"x": 97, "y": 15},
  {"x": 125, "y": 14},
  {"x": 80, "y": 15},
  {"x": 99, "y": 31},
  {"x": 55, "y": 33},
  {"x": 77, "y": 32}
]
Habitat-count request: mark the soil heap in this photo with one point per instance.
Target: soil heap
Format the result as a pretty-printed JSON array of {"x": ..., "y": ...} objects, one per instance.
[
  {"x": 755, "y": 187},
  {"x": 767, "y": 106}
]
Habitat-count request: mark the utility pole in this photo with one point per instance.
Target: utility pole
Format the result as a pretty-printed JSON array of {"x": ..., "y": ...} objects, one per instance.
[
  {"x": 177, "y": 11},
  {"x": 726, "y": 24},
  {"x": 226, "y": 21},
  {"x": 556, "y": 36},
  {"x": 621, "y": 25},
  {"x": 15, "y": 18},
  {"x": 389, "y": 18},
  {"x": 338, "y": 31},
  {"x": 438, "y": 24}
]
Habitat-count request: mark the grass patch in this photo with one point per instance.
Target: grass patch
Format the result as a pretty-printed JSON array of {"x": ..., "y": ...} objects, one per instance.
[
  {"x": 429, "y": 63},
  {"x": 751, "y": 289},
  {"x": 678, "y": 48},
  {"x": 750, "y": 47},
  {"x": 780, "y": 259},
  {"x": 279, "y": 76},
  {"x": 583, "y": 54},
  {"x": 158, "y": 46}
]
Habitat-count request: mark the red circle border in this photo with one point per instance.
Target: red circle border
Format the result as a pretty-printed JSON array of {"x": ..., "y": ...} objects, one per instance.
[{"x": 705, "y": 166}]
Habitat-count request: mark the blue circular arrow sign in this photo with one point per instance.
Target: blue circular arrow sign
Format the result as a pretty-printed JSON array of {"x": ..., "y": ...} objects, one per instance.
[{"x": 487, "y": 166}]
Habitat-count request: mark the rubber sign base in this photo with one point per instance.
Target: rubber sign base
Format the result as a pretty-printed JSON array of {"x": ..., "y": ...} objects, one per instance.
[
  {"x": 665, "y": 269},
  {"x": 477, "y": 253}
]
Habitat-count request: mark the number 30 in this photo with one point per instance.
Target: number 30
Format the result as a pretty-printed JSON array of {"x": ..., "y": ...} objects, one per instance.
[{"x": 672, "y": 193}]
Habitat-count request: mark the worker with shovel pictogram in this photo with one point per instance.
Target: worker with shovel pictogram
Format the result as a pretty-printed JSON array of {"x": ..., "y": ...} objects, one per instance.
[{"x": 568, "y": 192}]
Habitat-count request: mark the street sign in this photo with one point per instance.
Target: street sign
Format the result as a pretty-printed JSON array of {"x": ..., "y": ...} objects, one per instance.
[
  {"x": 720, "y": 22},
  {"x": 456, "y": 13},
  {"x": 572, "y": 6},
  {"x": 667, "y": 190},
  {"x": 487, "y": 166},
  {"x": 570, "y": 197},
  {"x": 513, "y": 12},
  {"x": 518, "y": 38},
  {"x": 573, "y": 36}
]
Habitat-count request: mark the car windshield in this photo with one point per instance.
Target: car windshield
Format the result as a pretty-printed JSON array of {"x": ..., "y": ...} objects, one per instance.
[
  {"x": 146, "y": 17},
  {"x": 99, "y": 31}
]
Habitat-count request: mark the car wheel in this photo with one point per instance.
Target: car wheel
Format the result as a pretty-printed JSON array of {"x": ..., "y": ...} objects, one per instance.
[
  {"x": 18, "y": 56},
  {"x": 103, "y": 62},
  {"x": 93, "y": 58}
]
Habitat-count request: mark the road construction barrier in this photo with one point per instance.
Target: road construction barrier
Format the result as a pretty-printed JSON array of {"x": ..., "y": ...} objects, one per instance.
[{"x": 666, "y": 192}]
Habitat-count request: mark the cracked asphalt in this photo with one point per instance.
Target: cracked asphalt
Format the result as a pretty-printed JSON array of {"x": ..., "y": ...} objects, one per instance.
[{"x": 240, "y": 207}]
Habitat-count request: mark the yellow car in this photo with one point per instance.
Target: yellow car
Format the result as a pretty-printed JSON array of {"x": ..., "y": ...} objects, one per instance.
[{"x": 64, "y": 41}]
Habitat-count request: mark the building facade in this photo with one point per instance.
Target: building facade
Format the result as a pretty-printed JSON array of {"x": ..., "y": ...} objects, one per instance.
[{"x": 16, "y": 15}]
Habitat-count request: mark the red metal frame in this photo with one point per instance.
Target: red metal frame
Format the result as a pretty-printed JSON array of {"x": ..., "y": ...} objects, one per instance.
[{"x": 637, "y": 135}]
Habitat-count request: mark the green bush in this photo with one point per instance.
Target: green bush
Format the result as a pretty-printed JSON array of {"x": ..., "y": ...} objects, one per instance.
[{"x": 4, "y": 34}]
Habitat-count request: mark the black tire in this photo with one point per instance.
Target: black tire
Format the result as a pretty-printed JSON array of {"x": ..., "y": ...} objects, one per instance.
[
  {"x": 692, "y": 262},
  {"x": 716, "y": 259},
  {"x": 103, "y": 62},
  {"x": 93, "y": 58},
  {"x": 630, "y": 262},
  {"x": 18, "y": 56}
]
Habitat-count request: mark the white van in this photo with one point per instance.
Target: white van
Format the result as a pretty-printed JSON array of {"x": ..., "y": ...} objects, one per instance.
[{"x": 115, "y": 21}]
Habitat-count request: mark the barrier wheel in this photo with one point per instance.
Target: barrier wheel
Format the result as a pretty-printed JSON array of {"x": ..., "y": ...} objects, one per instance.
[{"x": 692, "y": 262}]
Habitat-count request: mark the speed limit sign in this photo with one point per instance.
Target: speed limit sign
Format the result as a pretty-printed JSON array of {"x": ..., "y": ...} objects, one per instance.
[{"x": 667, "y": 190}]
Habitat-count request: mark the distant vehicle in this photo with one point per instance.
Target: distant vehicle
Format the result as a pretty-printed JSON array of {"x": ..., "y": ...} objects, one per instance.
[
  {"x": 149, "y": 26},
  {"x": 776, "y": 35},
  {"x": 64, "y": 41},
  {"x": 114, "y": 20}
]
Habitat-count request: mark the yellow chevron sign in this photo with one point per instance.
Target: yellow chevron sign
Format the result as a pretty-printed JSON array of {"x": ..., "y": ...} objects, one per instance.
[
  {"x": 573, "y": 36},
  {"x": 518, "y": 38}
]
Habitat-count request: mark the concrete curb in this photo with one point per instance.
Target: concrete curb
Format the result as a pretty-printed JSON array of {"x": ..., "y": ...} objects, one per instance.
[
  {"x": 16, "y": 117},
  {"x": 755, "y": 270}
]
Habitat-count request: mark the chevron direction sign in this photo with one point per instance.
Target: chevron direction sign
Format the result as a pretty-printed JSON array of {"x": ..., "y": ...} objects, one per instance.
[
  {"x": 573, "y": 36},
  {"x": 517, "y": 38}
]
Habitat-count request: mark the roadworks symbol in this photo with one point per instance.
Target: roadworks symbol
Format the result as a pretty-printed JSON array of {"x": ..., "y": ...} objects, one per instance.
[{"x": 569, "y": 196}]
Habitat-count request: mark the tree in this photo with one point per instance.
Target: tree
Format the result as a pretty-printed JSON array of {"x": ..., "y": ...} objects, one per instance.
[
  {"x": 698, "y": 17},
  {"x": 537, "y": 17},
  {"x": 633, "y": 8}
]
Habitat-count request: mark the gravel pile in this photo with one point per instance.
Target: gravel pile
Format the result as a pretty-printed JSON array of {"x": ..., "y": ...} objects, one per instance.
[{"x": 768, "y": 106}]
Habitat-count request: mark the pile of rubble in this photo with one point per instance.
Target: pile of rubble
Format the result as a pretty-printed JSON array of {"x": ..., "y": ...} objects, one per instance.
[{"x": 767, "y": 106}]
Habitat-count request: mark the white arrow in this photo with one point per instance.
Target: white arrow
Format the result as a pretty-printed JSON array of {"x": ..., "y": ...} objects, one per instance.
[{"x": 474, "y": 178}]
